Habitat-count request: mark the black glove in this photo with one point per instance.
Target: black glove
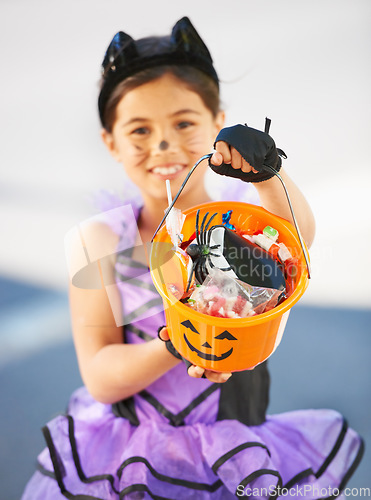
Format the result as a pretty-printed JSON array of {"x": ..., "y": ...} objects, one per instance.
[
  {"x": 256, "y": 147},
  {"x": 171, "y": 348}
]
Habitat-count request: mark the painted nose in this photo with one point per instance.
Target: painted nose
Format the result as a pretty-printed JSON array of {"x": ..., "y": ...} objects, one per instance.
[
  {"x": 164, "y": 142},
  {"x": 206, "y": 344},
  {"x": 163, "y": 146}
]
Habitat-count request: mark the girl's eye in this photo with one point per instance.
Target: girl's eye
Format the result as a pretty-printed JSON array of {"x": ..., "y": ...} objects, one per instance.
[
  {"x": 184, "y": 124},
  {"x": 140, "y": 131}
]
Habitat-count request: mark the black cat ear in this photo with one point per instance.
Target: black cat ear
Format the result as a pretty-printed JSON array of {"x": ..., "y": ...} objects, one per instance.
[
  {"x": 120, "y": 51},
  {"x": 185, "y": 36}
]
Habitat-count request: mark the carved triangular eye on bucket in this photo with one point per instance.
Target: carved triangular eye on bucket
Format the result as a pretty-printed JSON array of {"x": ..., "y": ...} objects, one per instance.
[
  {"x": 188, "y": 324},
  {"x": 225, "y": 335}
]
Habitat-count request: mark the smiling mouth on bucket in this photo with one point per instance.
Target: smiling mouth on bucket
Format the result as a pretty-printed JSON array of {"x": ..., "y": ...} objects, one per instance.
[{"x": 204, "y": 355}]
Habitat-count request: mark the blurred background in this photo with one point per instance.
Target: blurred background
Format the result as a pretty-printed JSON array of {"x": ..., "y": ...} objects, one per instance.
[{"x": 303, "y": 63}]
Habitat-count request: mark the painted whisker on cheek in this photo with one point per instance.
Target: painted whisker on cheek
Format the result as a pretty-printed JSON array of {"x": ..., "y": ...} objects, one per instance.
[
  {"x": 198, "y": 151},
  {"x": 139, "y": 164},
  {"x": 195, "y": 140},
  {"x": 140, "y": 158},
  {"x": 197, "y": 146}
]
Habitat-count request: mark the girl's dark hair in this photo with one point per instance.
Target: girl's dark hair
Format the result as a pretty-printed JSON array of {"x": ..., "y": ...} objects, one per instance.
[{"x": 195, "y": 79}]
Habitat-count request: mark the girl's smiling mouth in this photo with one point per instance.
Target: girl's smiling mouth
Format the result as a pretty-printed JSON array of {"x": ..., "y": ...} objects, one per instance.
[{"x": 167, "y": 171}]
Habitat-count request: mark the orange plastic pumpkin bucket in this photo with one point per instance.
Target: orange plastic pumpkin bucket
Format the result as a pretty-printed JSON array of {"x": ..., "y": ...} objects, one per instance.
[{"x": 232, "y": 344}]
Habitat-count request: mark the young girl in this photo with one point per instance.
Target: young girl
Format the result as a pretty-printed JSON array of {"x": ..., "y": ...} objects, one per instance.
[{"x": 144, "y": 426}]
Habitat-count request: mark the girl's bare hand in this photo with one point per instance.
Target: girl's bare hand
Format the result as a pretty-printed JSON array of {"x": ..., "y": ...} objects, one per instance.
[{"x": 219, "y": 378}]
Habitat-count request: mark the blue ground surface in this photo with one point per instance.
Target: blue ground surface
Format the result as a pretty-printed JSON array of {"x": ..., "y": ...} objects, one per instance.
[{"x": 323, "y": 361}]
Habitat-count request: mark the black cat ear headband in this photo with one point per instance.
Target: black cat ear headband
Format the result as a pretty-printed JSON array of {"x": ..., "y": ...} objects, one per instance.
[{"x": 122, "y": 58}]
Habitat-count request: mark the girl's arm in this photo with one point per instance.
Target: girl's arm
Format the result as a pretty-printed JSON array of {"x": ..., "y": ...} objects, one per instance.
[
  {"x": 273, "y": 198},
  {"x": 110, "y": 369},
  {"x": 271, "y": 192}
]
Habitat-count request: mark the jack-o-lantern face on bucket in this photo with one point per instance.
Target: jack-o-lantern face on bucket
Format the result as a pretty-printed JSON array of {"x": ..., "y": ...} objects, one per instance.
[{"x": 206, "y": 354}]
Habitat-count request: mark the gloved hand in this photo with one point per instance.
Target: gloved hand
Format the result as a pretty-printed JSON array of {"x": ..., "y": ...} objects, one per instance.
[
  {"x": 257, "y": 148},
  {"x": 169, "y": 346}
]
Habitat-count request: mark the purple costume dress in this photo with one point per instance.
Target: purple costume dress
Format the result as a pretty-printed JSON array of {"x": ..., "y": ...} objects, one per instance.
[{"x": 184, "y": 438}]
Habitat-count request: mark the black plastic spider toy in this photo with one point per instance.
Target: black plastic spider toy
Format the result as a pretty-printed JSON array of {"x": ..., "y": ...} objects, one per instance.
[
  {"x": 201, "y": 252},
  {"x": 220, "y": 247}
]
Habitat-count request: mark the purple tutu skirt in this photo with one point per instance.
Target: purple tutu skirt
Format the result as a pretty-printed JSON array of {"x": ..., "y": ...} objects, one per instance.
[{"x": 91, "y": 454}]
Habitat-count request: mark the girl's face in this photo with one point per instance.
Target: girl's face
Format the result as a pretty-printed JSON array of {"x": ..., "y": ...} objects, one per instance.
[{"x": 161, "y": 129}]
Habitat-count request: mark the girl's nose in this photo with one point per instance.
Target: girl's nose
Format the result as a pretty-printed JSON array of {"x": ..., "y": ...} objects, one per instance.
[
  {"x": 163, "y": 146},
  {"x": 164, "y": 141}
]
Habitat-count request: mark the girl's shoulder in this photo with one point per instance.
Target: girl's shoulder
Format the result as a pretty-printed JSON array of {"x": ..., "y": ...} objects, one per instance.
[
  {"x": 90, "y": 242},
  {"x": 119, "y": 212},
  {"x": 112, "y": 229}
]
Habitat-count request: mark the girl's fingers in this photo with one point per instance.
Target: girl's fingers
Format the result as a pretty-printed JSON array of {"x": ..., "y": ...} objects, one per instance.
[
  {"x": 163, "y": 334},
  {"x": 227, "y": 154},
  {"x": 222, "y": 155},
  {"x": 195, "y": 371},
  {"x": 218, "y": 378},
  {"x": 216, "y": 159},
  {"x": 246, "y": 167},
  {"x": 237, "y": 160}
]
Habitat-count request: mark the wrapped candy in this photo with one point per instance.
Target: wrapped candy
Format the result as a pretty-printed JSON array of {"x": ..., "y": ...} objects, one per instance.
[{"x": 225, "y": 297}]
